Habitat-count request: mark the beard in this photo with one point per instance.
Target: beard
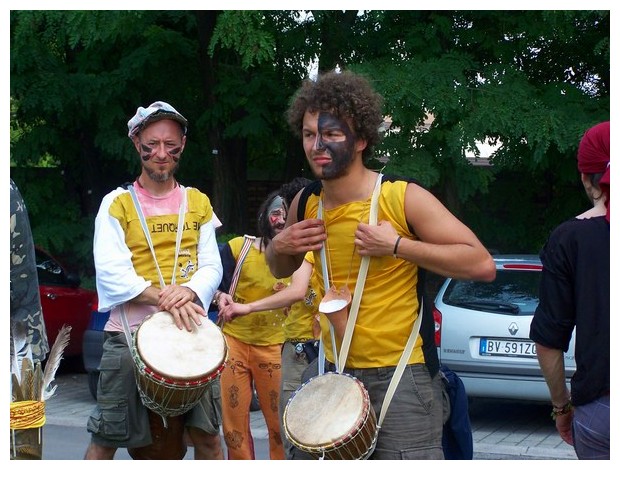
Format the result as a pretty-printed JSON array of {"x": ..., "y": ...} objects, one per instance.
[
  {"x": 336, "y": 169},
  {"x": 160, "y": 177}
]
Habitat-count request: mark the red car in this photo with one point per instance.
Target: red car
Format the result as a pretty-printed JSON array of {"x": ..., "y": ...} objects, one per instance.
[{"x": 63, "y": 302}]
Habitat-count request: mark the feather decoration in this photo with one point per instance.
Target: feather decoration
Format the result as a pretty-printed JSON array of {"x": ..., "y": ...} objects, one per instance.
[
  {"x": 38, "y": 378},
  {"x": 16, "y": 389},
  {"x": 20, "y": 348},
  {"x": 27, "y": 379},
  {"x": 15, "y": 366},
  {"x": 53, "y": 362}
]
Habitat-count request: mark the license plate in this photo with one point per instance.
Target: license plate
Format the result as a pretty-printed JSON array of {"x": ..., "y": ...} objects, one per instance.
[{"x": 507, "y": 347}]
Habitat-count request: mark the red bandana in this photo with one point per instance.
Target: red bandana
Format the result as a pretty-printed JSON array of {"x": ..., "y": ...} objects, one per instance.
[{"x": 593, "y": 156}]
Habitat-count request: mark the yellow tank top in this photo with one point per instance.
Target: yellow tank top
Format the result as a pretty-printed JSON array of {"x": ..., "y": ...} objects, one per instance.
[
  {"x": 256, "y": 282},
  {"x": 389, "y": 303}
]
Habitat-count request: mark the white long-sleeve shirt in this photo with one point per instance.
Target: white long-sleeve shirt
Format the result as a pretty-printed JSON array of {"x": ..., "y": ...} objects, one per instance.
[{"x": 123, "y": 260}]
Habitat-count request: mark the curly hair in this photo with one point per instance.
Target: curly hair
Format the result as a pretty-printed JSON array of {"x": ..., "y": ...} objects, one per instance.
[
  {"x": 290, "y": 189},
  {"x": 346, "y": 95}
]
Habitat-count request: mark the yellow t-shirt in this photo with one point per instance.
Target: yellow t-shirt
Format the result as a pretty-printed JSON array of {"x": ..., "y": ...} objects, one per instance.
[
  {"x": 389, "y": 303},
  {"x": 256, "y": 282},
  {"x": 163, "y": 232}
]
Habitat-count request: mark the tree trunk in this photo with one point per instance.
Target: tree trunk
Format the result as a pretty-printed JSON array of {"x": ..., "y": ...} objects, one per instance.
[{"x": 229, "y": 157}]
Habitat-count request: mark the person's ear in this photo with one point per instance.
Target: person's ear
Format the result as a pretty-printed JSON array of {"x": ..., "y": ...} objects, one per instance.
[{"x": 360, "y": 144}]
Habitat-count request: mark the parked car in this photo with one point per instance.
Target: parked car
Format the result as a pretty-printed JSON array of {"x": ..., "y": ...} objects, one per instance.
[
  {"x": 482, "y": 331},
  {"x": 63, "y": 301}
]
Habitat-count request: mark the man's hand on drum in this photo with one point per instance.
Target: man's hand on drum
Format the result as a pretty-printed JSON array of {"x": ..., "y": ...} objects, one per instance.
[
  {"x": 187, "y": 316},
  {"x": 300, "y": 237},
  {"x": 175, "y": 296}
]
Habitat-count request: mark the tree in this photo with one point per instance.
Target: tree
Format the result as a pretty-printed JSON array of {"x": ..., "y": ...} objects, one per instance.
[{"x": 531, "y": 81}]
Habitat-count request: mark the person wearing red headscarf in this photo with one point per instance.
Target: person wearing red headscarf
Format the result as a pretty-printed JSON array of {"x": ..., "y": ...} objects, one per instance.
[
  {"x": 593, "y": 164},
  {"x": 575, "y": 300}
]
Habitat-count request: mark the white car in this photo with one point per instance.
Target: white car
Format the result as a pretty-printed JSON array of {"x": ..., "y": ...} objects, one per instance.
[{"x": 482, "y": 331}]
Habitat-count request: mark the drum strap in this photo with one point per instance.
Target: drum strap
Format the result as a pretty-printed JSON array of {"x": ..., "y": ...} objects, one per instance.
[
  {"x": 182, "y": 208},
  {"x": 361, "y": 280},
  {"x": 402, "y": 363},
  {"x": 247, "y": 244},
  {"x": 357, "y": 295},
  {"x": 145, "y": 228},
  {"x": 359, "y": 286},
  {"x": 126, "y": 328}
]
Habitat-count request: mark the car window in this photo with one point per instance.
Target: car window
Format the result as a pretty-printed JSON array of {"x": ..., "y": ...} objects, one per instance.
[{"x": 514, "y": 292}]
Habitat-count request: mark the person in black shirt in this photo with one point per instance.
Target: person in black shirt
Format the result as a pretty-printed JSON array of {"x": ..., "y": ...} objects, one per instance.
[{"x": 574, "y": 295}]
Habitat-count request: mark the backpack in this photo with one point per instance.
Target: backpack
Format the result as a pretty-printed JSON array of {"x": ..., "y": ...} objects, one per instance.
[{"x": 457, "y": 441}]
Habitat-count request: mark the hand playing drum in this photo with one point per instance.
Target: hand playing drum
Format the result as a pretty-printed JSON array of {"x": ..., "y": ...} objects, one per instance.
[{"x": 187, "y": 316}]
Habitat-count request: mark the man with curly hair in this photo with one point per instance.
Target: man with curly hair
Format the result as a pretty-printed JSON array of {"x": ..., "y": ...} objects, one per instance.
[{"x": 338, "y": 118}]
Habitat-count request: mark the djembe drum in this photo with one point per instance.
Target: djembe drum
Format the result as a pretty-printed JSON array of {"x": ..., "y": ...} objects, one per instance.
[
  {"x": 331, "y": 417},
  {"x": 174, "y": 367}
]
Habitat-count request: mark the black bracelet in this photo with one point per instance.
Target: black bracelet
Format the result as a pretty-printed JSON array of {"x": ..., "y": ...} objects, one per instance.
[{"x": 396, "y": 245}]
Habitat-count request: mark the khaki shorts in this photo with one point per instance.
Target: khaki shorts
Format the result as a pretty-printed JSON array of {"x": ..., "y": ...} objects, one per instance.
[{"x": 120, "y": 419}]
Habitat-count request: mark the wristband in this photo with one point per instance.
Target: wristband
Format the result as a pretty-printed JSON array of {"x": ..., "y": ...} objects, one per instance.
[
  {"x": 216, "y": 298},
  {"x": 396, "y": 246},
  {"x": 559, "y": 411}
]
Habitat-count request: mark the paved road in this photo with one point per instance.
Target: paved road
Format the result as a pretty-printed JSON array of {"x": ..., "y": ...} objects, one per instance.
[{"x": 501, "y": 429}]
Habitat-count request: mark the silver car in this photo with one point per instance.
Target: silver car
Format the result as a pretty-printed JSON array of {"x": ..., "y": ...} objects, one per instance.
[{"x": 482, "y": 331}]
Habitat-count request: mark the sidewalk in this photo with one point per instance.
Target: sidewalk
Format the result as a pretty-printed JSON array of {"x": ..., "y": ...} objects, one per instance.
[
  {"x": 72, "y": 404},
  {"x": 508, "y": 431}
]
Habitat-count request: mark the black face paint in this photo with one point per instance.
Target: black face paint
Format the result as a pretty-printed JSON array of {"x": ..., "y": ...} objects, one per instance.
[
  {"x": 146, "y": 152},
  {"x": 175, "y": 153},
  {"x": 341, "y": 152}
]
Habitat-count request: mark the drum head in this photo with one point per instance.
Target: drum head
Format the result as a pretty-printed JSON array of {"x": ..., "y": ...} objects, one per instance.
[
  {"x": 179, "y": 354},
  {"x": 325, "y": 410}
]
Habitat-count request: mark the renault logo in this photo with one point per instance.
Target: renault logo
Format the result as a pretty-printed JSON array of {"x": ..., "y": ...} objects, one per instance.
[{"x": 513, "y": 328}]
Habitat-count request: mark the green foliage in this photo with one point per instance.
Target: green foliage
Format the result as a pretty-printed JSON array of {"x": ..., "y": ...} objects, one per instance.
[
  {"x": 243, "y": 32},
  {"x": 56, "y": 221},
  {"x": 529, "y": 81}
]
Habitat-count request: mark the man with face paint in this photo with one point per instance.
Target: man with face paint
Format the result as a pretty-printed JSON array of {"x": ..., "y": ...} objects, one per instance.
[
  {"x": 338, "y": 117},
  {"x": 253, "y": 319},
  {"x": 144, "y": 270}
]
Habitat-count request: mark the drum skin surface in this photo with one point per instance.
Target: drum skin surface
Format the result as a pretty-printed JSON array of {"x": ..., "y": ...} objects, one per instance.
[
  {"x": 175, "y": 367},
  {"x": 180, "y": 354},
  {"x": 326, "y": 411}
]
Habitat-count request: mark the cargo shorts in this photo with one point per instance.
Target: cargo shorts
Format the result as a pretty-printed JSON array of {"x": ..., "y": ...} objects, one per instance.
[{"x": 120, "y": 419}]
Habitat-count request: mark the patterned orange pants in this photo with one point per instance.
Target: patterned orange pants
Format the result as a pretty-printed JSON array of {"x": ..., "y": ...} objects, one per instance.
[{"x": 250, "y": 364}]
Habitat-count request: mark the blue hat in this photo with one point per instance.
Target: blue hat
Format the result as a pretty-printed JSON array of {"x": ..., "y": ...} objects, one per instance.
[{"x": 153, "y": 113}]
